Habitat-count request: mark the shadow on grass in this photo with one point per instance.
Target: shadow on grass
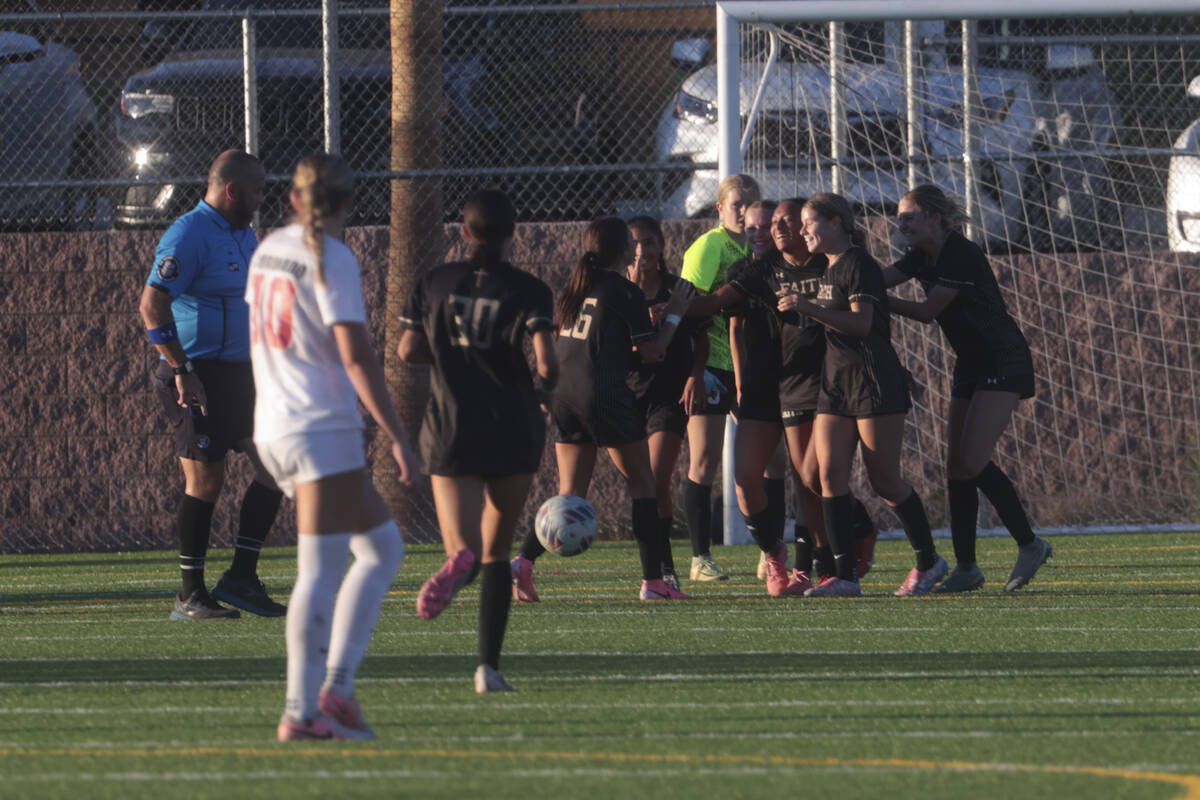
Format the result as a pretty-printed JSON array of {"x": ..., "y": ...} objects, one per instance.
[{"x": 695, "y": 668}]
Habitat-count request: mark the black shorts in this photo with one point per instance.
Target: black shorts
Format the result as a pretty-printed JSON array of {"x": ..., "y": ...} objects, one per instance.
[
  {"x": 858, "y": 394},
  {"x": 720, "y": 391},
  {"x": 965, "y": 384},
  {"x": 229, "y": 388},
  {"x": 760, "y": 404},
  {"x": 663, "y": 416},
  {"x": 514, "y": 447},
  {"x": 793, "y": 418},
  {"x": 613, "y": 426}
]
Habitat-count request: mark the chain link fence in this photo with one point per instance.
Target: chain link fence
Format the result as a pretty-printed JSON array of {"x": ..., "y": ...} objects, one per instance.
[{"x": 112, "y": 111}]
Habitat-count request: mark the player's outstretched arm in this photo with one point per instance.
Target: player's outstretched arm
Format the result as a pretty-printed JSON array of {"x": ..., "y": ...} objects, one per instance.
[
  {"x": 926, "y": 310},
  {"x": 681, "y": 297},
  {"x": 362, "y": 366}
]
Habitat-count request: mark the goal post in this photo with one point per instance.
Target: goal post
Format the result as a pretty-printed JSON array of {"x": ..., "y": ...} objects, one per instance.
[{"x": 1065, "y": 133}]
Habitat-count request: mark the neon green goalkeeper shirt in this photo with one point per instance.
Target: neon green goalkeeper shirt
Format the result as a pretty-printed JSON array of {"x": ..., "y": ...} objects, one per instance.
[{"x": 704, "y": 265}]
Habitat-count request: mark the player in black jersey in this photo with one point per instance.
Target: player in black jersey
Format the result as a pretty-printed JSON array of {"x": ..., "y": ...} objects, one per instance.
[
  {"x": 760, "y": 460},
  {"x": 603, "y": 325},
  {"x": 483, "y": 432},
  {"x": 864, "y": 396},
  {"x": 992, "y": 374},
  {"x": 668, "y": 391}
]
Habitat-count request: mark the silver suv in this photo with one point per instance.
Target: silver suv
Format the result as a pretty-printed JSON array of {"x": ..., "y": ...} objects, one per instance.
[
  {"x": 48, "y": 130},
  {"x": 1038, "y": 186}
]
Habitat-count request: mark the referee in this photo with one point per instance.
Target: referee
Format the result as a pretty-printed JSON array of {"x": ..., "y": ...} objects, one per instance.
[{"x": 196, "y": 316}]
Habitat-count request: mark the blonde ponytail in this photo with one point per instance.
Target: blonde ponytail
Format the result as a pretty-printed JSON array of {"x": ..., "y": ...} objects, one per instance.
[{"x": 324, "y": 185}]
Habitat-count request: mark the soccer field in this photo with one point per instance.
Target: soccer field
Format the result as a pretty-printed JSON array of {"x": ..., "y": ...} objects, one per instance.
[{"x": 1086, "y": 684}]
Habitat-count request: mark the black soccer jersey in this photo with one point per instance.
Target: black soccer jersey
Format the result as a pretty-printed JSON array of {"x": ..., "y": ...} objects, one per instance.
[
  {"x": 663, "y": 382},
  {"x": 483, "y": 417},
  {"x": 976, "y": 323},
  {"x": 761, "y": 335},
  {"x": 596, "y": 355},
  {"x": 861, "y": 376}
]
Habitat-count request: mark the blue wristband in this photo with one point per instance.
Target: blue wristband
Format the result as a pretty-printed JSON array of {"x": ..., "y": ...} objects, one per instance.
[{"x": 163, "y": 334}]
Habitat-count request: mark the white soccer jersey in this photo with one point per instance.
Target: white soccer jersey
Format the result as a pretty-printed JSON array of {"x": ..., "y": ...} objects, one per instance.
[{"x": 299, "y": 378}]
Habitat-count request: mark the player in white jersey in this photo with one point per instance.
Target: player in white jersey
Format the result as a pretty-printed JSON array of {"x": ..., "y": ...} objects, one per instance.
[{"x": 312, "y": 360}]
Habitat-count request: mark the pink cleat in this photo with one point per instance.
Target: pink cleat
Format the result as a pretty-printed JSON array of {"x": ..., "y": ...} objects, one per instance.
[
  {"x": 799, "y": 585},
  {"x": 522, "y": 580},
  {"x": 318, "y": 727},
  {"x": 439, "y": 590},
  {"x": 777, "y": 571},
  {"x": 864, "y": 552},
  {"x": 918, "y": 583},
  {"x": 345, "y": 711},
  {"x": 661, "y": 590}
]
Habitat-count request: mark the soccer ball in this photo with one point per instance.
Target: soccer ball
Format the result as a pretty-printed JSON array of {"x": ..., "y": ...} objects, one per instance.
[{"x": 566, "y": 524}]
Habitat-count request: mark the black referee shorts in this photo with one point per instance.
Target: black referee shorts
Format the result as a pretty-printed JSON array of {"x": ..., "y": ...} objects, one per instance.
[{"x": 229, "y": 388}]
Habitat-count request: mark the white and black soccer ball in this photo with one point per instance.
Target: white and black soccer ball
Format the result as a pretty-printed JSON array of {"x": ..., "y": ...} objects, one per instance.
[{"x": 566, "y": 524}]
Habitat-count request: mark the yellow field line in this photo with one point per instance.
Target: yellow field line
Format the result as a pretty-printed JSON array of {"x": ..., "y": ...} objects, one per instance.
[{"x": 1190, "y": 783}]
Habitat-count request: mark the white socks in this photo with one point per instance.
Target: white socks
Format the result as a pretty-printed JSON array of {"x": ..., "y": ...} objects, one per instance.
[
  {"x": 320, "y": 562},
  {"x": 378, "y": 554}
]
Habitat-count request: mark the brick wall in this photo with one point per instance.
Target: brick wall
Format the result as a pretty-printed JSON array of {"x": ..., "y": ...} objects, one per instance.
[{"x": 86, "y": 460}]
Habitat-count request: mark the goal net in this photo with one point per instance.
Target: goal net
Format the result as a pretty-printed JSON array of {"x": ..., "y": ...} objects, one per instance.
[{"x": 1071, "y": 143}]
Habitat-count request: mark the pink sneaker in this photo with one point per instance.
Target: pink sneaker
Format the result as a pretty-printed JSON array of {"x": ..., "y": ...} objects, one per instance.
[
  {"x": 439, "y": 590},
  {"x": 918, "y": 583},
  {"x": 345, "y": 711},
  {"x": 522, "y": 579},
  {"x": 864, "y": 552},
  {"x": 823, "y": 581},
  {"x": 799, "y": 584},
  {"x": 318, "y": 727},
  {"x": 836, "y": 587},
  {"x": 777, "y": 571},
  {"x": 661, "y": 590}
]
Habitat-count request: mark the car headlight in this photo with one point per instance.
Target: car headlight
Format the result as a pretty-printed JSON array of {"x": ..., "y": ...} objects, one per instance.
[
  {"x": 695, "y": 109},
  {"x": 139, "y": 104}
]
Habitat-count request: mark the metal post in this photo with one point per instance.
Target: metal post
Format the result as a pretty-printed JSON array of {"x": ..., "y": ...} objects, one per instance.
[
  {"x": 837, "y": 102},
  {"x": 912, "y": 104},
  {"x": 729, "y": 72},
  {"x": 329, "y": 73},
  {"x": 250, "y": 84},
  {"x": 971, "y": 116}
]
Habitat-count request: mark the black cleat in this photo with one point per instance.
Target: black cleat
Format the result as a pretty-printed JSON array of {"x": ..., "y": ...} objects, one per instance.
[
  {"x": 248, "y": 594},
  {"x": 200, "y": 606}
]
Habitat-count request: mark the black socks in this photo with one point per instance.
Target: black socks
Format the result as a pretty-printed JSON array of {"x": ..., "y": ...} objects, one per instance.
[
  {"x": 761, "y": 528},
  {"x": 664, "y": 532},
  {"x": 495, "y": 598},
  {"x": 259, "y": 506},
  {"x": 804, "y": 548},
  {"x": 648, "y": 535},
  {"x": 1001, "y": 493},
  {"x": 837, "y": 531},
  {"x": 195, "y": 524},
  {"x": 916, "y": 527},
  {"x": 964, "y": 513},
  {"x": 532, "y": 548},
  {"x": 697, "y": 510}
]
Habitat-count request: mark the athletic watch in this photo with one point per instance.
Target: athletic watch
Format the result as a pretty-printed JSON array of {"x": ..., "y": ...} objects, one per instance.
[{"x": 186, "y": 368}]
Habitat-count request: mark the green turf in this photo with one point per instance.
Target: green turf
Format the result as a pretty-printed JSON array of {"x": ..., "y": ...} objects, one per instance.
[{"x": 1087, "y": 684}]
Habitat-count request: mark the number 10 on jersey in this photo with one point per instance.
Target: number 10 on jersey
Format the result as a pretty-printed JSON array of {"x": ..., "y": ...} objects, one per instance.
[{"x": 271, "y": 310}]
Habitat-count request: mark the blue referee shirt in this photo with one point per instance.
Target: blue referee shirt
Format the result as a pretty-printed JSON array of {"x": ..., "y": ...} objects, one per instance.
[{"x": 202, "y": 263}]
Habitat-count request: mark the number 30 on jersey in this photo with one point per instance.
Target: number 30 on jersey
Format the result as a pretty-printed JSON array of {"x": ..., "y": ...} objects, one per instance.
[
  {"x": 272, "y": 304},
  {"x": 472, "y": 320}
]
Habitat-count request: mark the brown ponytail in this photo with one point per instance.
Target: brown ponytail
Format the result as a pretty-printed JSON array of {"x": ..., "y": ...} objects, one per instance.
[
  {"x": 491, "y": 220},
  {"x": 605, "y": 245}
]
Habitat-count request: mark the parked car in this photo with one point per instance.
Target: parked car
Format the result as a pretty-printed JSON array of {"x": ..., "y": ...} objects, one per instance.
[
  {"x": 1072, "y": 110},
  {"x": 175, "y": 116},
  {"x": 48, "y": 131},
  {"x": 1183, "y": 186}
]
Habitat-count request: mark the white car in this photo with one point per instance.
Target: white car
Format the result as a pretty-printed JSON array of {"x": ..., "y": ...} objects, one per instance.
[
  {"x": 1021, "y": 118},
  {"x": 1183, "y": 186},
  {"x": 47, "y": 132}
]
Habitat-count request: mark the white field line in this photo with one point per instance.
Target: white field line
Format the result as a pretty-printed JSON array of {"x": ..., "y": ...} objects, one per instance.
[
  {"x": 638, "y": 678},
  {"x": 401, "y": 635},
  {"x": 678, "y": 706},
  {"x": 587, "y": 654}
]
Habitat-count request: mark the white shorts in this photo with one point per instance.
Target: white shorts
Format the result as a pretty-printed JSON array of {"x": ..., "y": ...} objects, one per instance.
[{"x": 308, "y": 457}]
